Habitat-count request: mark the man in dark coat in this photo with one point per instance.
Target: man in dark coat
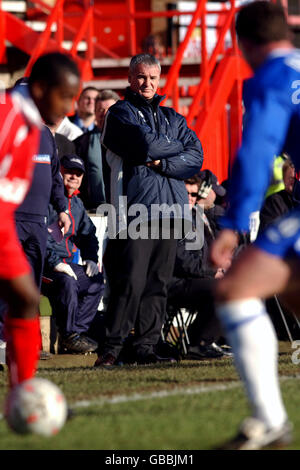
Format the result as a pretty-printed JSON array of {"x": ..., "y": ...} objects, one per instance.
[
  {"x": 150, "y": 151},
  {"x": 74, "y": 290}
]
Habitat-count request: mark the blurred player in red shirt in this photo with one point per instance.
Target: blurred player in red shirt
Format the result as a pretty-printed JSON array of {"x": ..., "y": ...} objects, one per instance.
[{"x": 52, "y": 85}]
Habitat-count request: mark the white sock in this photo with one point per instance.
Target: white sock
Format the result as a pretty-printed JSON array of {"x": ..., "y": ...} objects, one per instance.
[{"x": 250, "y": 332}]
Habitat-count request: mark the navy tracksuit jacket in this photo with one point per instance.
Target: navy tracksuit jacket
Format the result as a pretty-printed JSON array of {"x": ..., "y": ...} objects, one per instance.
[
  {"x": 74, "y": 302},
  {"x": 31, "y": 216}
]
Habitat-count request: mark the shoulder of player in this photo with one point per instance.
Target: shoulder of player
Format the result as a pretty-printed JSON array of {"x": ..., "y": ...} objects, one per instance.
[
  {"x": 274, "y": 70},
  {"x": 276, "y": 77}
]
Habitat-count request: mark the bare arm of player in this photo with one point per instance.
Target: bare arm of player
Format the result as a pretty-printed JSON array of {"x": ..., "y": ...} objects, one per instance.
[{"x": 223, "y": 247}]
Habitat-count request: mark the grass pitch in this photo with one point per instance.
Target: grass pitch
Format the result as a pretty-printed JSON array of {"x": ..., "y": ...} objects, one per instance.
[{"x": 187, "y": 406}]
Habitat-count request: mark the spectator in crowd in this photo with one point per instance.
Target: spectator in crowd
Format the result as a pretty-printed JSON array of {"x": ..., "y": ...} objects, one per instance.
[
  {"x": 152, "y": 44},
  {"x": 150, "y": 151},
  {"x": 84, "y": 117},
  {"x": 88, "y": 147},
  {"x": 53, "y": 83},
  {"x": 210, "y": 193},
  {"x": 74, "y": 291},
  {"x": 104, "y": 101},
  {"x": 281, "y": 202},
  {"x": 194, "y": 277},
  {"x": 277, "y": 183}
]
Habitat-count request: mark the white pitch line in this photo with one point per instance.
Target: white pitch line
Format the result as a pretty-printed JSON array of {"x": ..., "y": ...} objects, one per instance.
[
  {"x": 148, "y": 396},
  {"x": 164, "y": 393}
]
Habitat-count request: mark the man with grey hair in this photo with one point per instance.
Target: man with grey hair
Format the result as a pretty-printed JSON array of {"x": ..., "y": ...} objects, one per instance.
[
  {"x": 144, "y": 59},
  {"x": 104, "y": 101},
  {"x": 150, "y": 152}
]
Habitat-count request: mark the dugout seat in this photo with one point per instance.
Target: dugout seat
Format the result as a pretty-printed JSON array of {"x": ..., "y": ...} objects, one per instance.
[{"x": 175, "y": 328}]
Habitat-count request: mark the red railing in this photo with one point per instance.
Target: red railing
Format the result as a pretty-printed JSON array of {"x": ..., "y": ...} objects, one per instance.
[
  {"x": 171, "y": 87},
  {"x": 56, "y": 18},
  {"x": 206, "y": 115},
  {"x": 2, "y": 34},
  {"x": 210, "y": 63},
  {"x": 87, "y": 14}
]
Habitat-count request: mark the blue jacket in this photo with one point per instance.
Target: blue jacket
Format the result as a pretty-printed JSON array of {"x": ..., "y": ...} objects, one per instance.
[
  {"x": 47, "y": 184},
  {"x": 271, "y": 127},
  {"x": 137, "y": 132},
  {"x": 82, "y": 233}
]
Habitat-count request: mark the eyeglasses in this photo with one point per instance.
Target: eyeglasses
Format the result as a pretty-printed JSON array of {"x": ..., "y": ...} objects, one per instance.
[{"x": 193, "y": 194}]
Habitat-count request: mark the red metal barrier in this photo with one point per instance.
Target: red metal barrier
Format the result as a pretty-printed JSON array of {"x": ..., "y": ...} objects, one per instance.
[
  {"x": 215, "y": 112},
  {"x": 44, "y": 38},
  {"x": 45, "y": 43},
  {"x": 175, "y": 68},
  {"x": 2, "y": 35}
]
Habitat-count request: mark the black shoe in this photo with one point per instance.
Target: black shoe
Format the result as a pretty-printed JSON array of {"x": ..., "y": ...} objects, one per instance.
[
  {"x": 208, "y": 351},
  {"x": 44, "y": 355},
  {"x": 227, "y": 350},
  {"x": 78, "y": 344},
  {"x": 152, "y": 358},
  {"x": 1, "y": 368},
  {"x": 166, "y": 349},
  {"x": 107, "y": 361}
]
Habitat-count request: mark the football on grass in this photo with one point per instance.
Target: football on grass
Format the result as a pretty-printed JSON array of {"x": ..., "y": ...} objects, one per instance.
[{"x": 36, "y": 406}]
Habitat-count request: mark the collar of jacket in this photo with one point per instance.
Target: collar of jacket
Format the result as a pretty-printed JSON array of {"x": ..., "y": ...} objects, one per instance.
[
  {"x": 140, "y": 101},
  {"x": 76, "y": 192}
]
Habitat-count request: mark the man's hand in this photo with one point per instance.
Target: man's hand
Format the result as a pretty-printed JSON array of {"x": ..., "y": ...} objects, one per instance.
[
  {"x": 223, "y": 247},
  {"x": 91, "y": 268},
  {"x": 153, "y": 164},
  {"x": 64, "y": 221},
  {"x": 66, "y": 269}
]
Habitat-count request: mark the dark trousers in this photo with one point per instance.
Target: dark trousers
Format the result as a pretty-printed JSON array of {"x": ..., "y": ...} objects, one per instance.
[
  {"x": 138, "y": 273},
  {"x": 197, "y": 294},
  {"x": 33, "y": 237},
  {"x": 74, "y": 303}
]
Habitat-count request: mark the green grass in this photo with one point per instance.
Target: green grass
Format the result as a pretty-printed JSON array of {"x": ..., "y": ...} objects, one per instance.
[{"x": 178, "y": 422}]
